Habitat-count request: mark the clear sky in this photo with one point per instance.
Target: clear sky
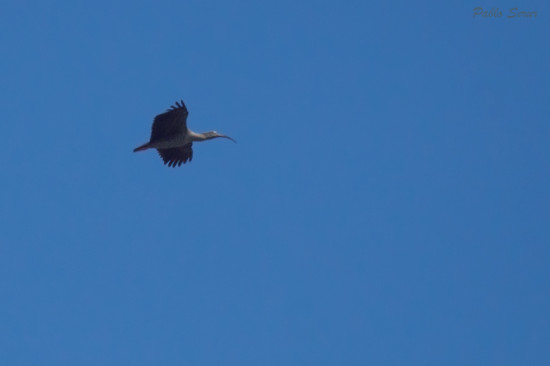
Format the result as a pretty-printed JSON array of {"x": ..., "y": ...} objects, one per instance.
[{"x": 387, "y": 202}]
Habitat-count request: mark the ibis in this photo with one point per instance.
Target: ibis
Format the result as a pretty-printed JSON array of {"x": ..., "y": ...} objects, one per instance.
[{"x": 171, "y": 137}]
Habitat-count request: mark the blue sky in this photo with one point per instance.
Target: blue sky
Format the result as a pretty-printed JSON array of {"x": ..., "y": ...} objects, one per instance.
[{"x": 387, "y": 202}]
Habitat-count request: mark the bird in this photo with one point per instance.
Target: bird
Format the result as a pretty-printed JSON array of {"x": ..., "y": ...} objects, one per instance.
[{"x": 171, "y": 137}]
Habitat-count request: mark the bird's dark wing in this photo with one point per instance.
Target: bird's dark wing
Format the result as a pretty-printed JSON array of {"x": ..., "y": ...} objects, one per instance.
[
  {"x": 170, "y": 123},
  {"x": 177, "y": 155}
]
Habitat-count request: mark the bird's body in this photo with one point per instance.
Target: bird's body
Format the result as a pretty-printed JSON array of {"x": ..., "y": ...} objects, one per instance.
[{"x": 171, "y": 137}]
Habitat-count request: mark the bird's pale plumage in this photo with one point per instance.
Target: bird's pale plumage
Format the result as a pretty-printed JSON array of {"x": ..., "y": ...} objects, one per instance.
[{"x": 171, "y": 137}]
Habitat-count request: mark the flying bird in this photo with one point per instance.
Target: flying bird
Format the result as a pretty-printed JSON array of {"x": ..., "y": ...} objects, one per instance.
[{"x": 171, "y": 137}]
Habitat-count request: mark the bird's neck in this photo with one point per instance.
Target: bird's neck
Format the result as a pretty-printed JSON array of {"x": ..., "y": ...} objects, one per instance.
[
  {"x": 201, "y": 136},
  {"x": 194, "y": 136}
]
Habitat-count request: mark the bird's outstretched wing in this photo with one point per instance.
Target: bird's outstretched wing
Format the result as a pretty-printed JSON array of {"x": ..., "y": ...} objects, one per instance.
[
  {"x": 177, "y": 155},
  {"x": 170, "y": 123}
]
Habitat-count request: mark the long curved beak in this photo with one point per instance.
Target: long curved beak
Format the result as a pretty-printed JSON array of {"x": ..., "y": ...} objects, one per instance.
[{"x": 227, "y": 137}]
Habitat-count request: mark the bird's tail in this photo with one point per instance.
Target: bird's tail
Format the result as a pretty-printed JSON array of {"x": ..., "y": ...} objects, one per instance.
[{"x": 142, "y": 147}]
